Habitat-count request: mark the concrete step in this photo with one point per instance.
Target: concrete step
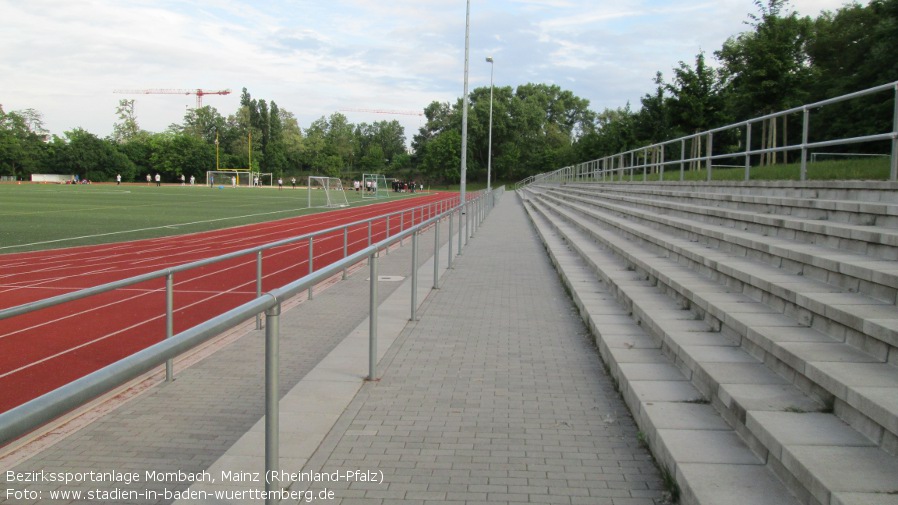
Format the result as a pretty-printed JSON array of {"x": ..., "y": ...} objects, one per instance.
[
  {"x": 749, "y": 321},
  {"x": 851, "y": 211},
  {"x": 736, "y": 383},
  {"x": 820, "y": 249},
  {"x": 669, "y": 423},
  {"x": 873, "y": 323},
  {"x": 844, "y": 191}
]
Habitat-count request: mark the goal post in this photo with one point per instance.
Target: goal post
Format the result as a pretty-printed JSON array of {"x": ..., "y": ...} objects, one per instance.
[
  {"x": 234, "y": 177},
  {"x": 326, "y": 192},
  {"x": 374, "y": 186}
]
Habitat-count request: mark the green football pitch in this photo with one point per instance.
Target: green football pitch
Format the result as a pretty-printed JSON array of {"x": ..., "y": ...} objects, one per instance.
[{"x": 46, "y": 216}]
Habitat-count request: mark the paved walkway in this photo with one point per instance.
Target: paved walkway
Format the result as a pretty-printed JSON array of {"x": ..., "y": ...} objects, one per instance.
[{"x": 496, "y": 395}]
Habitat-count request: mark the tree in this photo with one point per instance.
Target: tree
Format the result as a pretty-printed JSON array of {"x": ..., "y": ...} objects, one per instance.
[
  {"x": 138, "y": 149},
  {"x": 292, "y": 139},
  {"x": 265, "y": 129},
  {"x": 768, "y": 68},
  {"x": 91, "y": 157},
  {"x": 23, "y": 148},
  {"x": 851, "y": 50},
  {"x": 534, "y": 127},
  {"x": 379, "y": 144},
  {"x": 440, "y": 158},
  {"x": 614, "y": 132},
  {"x": 275, "y": 155},
  {"x": 653, "y": 123},
  {"x": 176, "y": 154},
  {"x": 697, "y": 101},
  {"x": 126, "y": 128}
]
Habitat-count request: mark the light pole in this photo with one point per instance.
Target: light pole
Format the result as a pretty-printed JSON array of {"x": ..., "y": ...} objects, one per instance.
[
  {"x": 489, "y": 156},
  {"x": 464, "y": 120}
]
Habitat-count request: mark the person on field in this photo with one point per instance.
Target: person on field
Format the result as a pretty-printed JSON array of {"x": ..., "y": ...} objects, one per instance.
[
  {"x": 118, "y": 179},
  {"x": 149, "y": 178},
  {"x": 158, "y": 180},
  {"x": 293, "y": 182},
  {"x": 280, "y": 184},
  {"x": 192, "y": 180}
]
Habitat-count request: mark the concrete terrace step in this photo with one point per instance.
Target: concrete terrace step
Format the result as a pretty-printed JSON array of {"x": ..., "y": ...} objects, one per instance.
[
  {"x": 845, "y": 191},
  {"x": 753, "y": 400},
  {"x": 809, "y": 361},
  {"x": 873, "y": 320},
  {"x": 842, "y": 211},
  {"x": 852, "y": 271},
  {"x": 870, "y": 239},
  {"x": 668, "y": 410}
]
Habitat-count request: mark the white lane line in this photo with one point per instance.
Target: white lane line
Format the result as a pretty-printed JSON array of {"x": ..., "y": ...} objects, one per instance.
[{"x": 70, "y": 239}]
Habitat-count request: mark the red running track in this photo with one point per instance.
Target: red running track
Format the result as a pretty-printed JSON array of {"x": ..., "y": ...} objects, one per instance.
[{"x": 46, "y": 349}]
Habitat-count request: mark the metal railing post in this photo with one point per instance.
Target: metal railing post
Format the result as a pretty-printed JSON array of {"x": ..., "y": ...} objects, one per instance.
[
  {"x": 413, "y": 316},
  {"x": 311, "y": 263},
  {"x": 402, "y": 223},
  {"x": 449, "y": 252},
  {"x": 748, "y": 152},
  {"x": 387, "y": 249},
  {"x": 345, "y": 248},
  {"x": 469, "y": 216},
  {"x": 461, "y": 216},
  {"x": 169, "y": 322},
  {"x": 645, "y": 165},
  {"x": 272, "y": 396},
  {"x": 258, "y": 286},
  {"x": 710, "y": 152},
  {"x": 436, "y": 255},
  {"x": 372, "y": 318},
  {"x": 893, "y": 170},
  {"x": 805, "y": 128},
  {"x": 682, "y": 159},
  {"x": 369, "y": 239}
]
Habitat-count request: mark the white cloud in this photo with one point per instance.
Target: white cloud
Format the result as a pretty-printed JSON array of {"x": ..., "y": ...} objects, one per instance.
[{"x": 313, "y": 58}]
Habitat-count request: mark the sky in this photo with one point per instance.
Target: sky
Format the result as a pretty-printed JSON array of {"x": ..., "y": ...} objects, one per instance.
[{"x": 66, "y": 58}]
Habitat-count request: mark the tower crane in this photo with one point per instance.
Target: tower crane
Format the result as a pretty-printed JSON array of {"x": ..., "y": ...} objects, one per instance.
[
  {"x": 385, "y": 111},
  {"x": 198, "y": 92}
]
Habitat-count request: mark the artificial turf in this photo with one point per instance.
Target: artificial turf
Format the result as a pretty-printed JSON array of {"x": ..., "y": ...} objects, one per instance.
[{"x": 45, "y": 216}]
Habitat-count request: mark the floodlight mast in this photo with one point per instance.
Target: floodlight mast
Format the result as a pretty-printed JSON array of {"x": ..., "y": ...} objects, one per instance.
[
  {"x": 489, "y": 156},
  {"x": 464, "y": 123}
]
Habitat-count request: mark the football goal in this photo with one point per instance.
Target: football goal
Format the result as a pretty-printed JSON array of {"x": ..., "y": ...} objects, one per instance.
[
  {"x": 326, "y": 192},
  {"x": 374, "y": 186},
  {"x": 232, "y": 177}
]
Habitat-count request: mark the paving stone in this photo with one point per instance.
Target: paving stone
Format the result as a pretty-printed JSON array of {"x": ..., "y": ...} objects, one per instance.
[{"x": 501, "y": 375}]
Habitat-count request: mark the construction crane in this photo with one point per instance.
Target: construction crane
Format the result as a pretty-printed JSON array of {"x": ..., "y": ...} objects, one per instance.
[
  {"x": 198, "y": 92},
  {"x": 385, "y": 111}
]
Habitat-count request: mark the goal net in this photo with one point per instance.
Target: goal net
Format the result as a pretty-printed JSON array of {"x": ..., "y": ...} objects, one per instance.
[
  {"x": 326, "y": 192},
  {"x": 229, "y": 178},
  {"x": 374, "y": 186}
]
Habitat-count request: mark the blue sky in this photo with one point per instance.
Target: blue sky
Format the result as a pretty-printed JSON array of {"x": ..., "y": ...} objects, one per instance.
[{"x": 65, "y": 58}]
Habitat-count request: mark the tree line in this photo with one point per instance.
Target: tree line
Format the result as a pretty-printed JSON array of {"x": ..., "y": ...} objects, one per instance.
[{"x": 781, "y": 61}]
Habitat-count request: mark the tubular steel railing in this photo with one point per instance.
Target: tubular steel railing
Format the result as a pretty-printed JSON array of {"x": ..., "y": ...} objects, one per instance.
[
  {"x": 652, "y": 157},
  {"x": 28, "y": 416}
]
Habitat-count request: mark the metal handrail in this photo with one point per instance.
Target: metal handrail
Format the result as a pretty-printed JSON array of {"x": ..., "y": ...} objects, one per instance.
[
  {"x": 26, "y": 417},
  {"x": 158, "y": 274},
  {"x": 616, "y": 165}
]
